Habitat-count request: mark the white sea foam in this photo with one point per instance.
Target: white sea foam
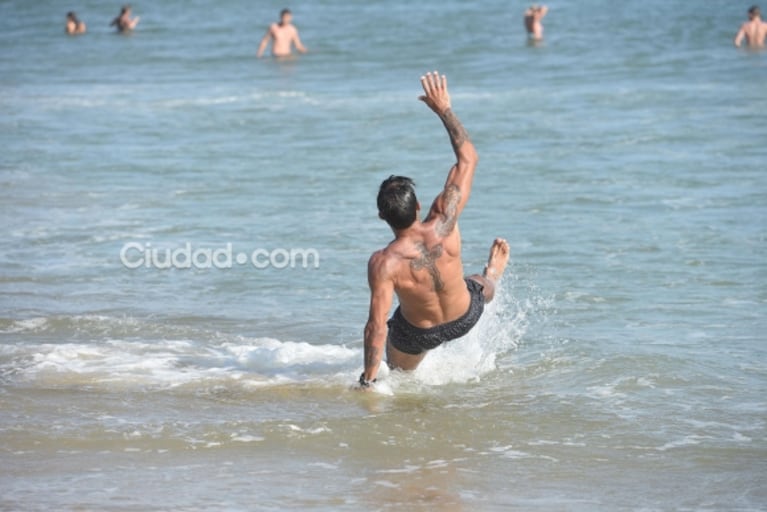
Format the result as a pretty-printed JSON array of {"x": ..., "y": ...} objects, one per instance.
[
  {"x": 173, "y": 363},
  {"x": 267, "y": 355},
  {"x": 691, "y": 440},
  {"x": 26, "y": 325},
  {"x": 244, "y": 438},
  {"x": 133, "y": 353}
]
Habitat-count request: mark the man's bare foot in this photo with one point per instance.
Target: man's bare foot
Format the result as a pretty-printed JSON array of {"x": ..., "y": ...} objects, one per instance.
[{"x": 499, "y": 257}]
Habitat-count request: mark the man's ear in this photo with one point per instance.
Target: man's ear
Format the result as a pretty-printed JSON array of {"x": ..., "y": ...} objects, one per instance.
[{"x": 380, "y": 215}]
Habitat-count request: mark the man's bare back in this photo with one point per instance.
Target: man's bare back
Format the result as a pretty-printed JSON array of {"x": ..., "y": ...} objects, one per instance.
[
  {"x": 753, "y": 31},
  {"x": 437, "y": 295},
  {"x": 533, "y": 16},
  {"x": 283, "y": 36},
  {"x": 422, "y": 265}
]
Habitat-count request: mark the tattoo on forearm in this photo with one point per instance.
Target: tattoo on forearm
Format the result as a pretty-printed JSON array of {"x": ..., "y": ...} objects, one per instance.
[
  {"x": 455, "y": 129},
  {"x": 451, "y": 197},
  {"x": 372, "y": 357},
  {"x": 428, "y": 261}
]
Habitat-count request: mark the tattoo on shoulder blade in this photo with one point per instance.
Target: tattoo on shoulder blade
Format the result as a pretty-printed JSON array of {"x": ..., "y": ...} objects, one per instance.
[
  {"x": 451, "y": 197},
  {"x": 428, "y": 261},
  {"x": 455, "y": 129}
]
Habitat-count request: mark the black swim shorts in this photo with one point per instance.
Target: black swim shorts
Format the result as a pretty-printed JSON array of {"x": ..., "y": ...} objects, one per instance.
[{"x": 410, "y": 339}]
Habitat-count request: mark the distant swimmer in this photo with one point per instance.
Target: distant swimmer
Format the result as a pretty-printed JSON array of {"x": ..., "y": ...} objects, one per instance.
[
  {"x": 124, "y": 22},
  {"x": 533, "y": 16},
  {"x": 422, "y": 265},
  {"x": 283, "y": 36},
  {"x": 74, "y": 24},
  {"x": 753, "y": 31}
]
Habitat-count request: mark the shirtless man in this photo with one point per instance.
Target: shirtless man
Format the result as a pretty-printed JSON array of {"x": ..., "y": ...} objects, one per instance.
[
  {"x": 74, "y": 24},
  {"x": 533, "y": 16},
  {"x": 283, "y": 36},
  {"x": 124, "y": 22},
  {"x": 754, "y": 30},
  {"x": 422, "y": 265}
]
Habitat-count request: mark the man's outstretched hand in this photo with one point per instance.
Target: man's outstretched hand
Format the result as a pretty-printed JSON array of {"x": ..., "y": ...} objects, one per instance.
[{"x": 436, "y": 97}]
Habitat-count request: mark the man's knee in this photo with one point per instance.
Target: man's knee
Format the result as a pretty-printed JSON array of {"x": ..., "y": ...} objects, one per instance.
[{"x": 488, "y": 287}]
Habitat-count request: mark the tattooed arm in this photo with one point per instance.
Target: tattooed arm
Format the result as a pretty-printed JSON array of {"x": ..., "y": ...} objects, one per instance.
[
  {"x": 381, "y": 297},
  {"x": 450, "y": 202}
]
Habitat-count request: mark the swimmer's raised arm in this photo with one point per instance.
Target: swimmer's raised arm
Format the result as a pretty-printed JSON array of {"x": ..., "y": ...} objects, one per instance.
[{"x": 450, "y": 202}]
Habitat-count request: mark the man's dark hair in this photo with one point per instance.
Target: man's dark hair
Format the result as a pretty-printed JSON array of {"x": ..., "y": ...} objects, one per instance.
[
  {"x": 284, "y": 12},
  {"x": 397, "y": 204},
  {"x": 754, "y": 11}
]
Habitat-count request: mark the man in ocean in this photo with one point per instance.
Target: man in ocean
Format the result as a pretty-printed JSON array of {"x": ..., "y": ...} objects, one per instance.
[
  {"x": 124, "y": 22},
  {"x": 753, "y": 31},
  {"x": 283, "y": 36},
  {"x": 74, "y": 24},
  {"x": 422, "y": 265},
  {"x": 533, "y": 16}
]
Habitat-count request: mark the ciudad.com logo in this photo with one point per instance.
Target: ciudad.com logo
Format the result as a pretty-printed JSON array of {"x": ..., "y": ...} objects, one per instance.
[{"x": 134, "y": 255}]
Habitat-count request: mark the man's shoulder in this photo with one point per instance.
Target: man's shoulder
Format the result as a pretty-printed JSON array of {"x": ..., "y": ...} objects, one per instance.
[
  {"x": 384, "y": 253},
  {"x": 385, "y": 260},
  {"x": 382, "y": 266},
  {"x": 379, "y": 257}
]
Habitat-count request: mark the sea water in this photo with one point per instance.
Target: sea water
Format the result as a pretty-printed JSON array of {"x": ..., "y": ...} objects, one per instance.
[{"x": 622, "y": 366}]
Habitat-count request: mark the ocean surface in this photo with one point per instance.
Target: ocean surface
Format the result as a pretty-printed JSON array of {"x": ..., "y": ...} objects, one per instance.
[{"x": 623, "y": 365}]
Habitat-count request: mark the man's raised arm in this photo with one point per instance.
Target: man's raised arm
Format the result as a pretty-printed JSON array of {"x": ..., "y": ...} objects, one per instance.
[{"x": 450, "y": 202}]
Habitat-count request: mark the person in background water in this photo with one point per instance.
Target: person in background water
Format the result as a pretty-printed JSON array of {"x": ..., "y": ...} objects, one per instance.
[
  {"x": 124, "y": 22},
  {"x": 753, "y": 31},
  {"x": 283, "y": 36},
  {"x": 74, "y": 25},
  {"x": 533, "y": 16}
]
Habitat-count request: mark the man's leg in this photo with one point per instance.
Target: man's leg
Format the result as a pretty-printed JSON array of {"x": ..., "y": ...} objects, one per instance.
[
  {"x": 398, "y": 360},
  {"x": 496, "y": 264}
]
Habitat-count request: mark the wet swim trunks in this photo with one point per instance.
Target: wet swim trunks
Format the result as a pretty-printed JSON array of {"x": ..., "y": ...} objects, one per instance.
[{"x": 410, "y": 339}]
